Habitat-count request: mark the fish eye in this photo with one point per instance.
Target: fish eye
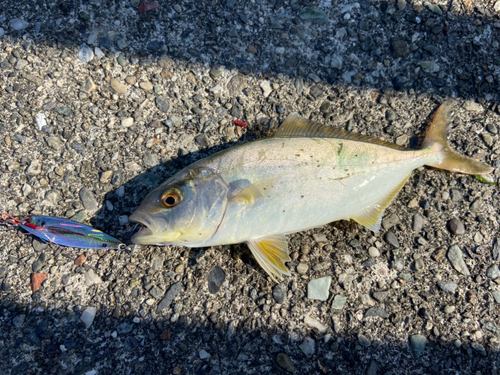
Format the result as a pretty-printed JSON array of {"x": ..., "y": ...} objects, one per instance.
[{"x": 171, "y": 198}]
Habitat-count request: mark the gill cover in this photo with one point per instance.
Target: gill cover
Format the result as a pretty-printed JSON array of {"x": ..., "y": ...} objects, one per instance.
[{"x": 187, "y": 209}]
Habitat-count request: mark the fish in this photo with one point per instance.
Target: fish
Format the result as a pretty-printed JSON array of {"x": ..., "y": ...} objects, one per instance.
[
  {"x": 64, "y": 232},
  {"x": 305, "y": 176}
]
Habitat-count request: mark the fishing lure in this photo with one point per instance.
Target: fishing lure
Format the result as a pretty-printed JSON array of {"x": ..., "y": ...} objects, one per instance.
[{"x": 64, "y": 232}]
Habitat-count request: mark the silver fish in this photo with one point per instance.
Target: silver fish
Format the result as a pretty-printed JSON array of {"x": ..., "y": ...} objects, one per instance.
[{"x": 306, "y": 176}]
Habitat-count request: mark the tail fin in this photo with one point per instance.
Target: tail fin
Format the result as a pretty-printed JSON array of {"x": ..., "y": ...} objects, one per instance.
[{"x": 436, "y": 139}]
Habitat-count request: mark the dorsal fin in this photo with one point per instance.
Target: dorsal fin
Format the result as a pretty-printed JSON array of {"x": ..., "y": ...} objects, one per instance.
[{"x": 295, "y": 127}]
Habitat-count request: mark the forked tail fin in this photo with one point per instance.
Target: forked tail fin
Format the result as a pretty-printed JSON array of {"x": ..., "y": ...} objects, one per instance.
[{"x": 436, "y": 138}]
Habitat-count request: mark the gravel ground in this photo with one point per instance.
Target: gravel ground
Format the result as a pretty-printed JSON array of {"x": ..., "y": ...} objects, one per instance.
[{"x": 100, "y": 103}]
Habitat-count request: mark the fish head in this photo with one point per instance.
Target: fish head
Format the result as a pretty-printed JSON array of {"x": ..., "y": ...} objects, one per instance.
[{"x": 185, "y": 210}]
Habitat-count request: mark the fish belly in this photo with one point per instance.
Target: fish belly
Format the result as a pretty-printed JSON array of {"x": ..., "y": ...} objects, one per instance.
[{"x": 338, "y": 181}]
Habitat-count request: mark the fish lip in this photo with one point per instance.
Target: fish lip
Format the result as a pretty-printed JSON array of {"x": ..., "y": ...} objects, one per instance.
[{"x": 148, "y": 228}]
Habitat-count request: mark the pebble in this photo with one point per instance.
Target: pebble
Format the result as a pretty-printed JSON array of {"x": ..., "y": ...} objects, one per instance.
[
  {"x": 447, "y": 286},
  {"x": 119, "y": 87},
  {"x": 21, "y": 64},
  {"x": 85, "y": 54},
  {"x": 338, "y": 302},
  {"x": 151, "y": 159},
  {"x": 88, "y": 199},
  {"x": 496, "y": 296},
  {"x": 375, "y": 311},
  {"x": 401, "y": 4},
  {"x": 313, "y": 323},
  {"x": 472, "y": 106},
  {"x": 417, "y": 345},
  {"x": 162, "y": 104},
  {"x": 313, "y": 14},
  {"x": 172, "y": 292},
  {"x": 80, "y": 260},
  {"x": 36, "y": 280},
  {"x": 302, "y": 268},
  {"x": 320, "y": 238},
  {"x": 18, "y": 24},
  {"x": 417, "y": 223},
  {"x": 308, "y": 346},
  {"x": 381, "y": 296},
  {"x": 18, "y": 320},
  {"x": 2, "y": 32},
  {"x": 215, "y": 279},
  {"x": 319, "y": 288},
  {"x": 429, "y": 66},
  {"x": 279, "y": 293},
  {"x": 266, "y": 88},
  {"x": 35, "y": 168},
  {"x": 487, "y": 139},
  {"x": 363, "y": 340},
  {"x": 373, "y": 252},
  {"x": 299, "y": 85},
  {"x": 493, "y": 272},
  {"x": 389, "y": 221},
  {"x": 156, "y": 292},
  {"x": 456, "y": 227},
  {"x": 91, "y": 278},
  {"x": 284, "y": 362},
  {"x": 399, "y": 48},
  {"x": 88, "y": 316},
  {"x": 391, "y": 239},
  {"x": 203, "y": 354},
  {"x": 127, "y": 122},
  {"x": 449, "y": 309},
  {"x": 495, "y": 252},
  {"x": 124, "y": 328},
  {"x": 479, "y": 348},
  {"x": 122, "y": 60},
  {"x": 455, "y": 256}
]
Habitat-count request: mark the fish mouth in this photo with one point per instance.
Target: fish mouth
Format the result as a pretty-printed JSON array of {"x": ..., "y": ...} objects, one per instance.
[{"x": 152, "y": 228}]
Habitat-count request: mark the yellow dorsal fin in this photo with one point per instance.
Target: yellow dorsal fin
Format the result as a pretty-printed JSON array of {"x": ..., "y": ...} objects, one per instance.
[
  {"x": 371, "y": 216},
  {"x": 271, "y": 253},
  {"x": 258, "y": 190},
  {"x": 296, "y": 126}
]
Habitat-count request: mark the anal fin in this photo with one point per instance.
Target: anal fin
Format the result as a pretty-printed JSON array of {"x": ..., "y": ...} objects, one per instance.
[
  {"x": 271, "y": 253},
  {"x": 371, "y": 216}
]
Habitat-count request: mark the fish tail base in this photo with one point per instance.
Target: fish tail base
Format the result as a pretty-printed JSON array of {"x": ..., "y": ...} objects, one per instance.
[{"x": 436, "y": 140}]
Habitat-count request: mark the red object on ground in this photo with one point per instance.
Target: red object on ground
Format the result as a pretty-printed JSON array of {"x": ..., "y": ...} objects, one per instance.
[
  {"x": 36, "y": 280},
  {"x": 80, "y": 260},
  {"x": 240, "y": 123},
  {"x": 146, "y": 6}
]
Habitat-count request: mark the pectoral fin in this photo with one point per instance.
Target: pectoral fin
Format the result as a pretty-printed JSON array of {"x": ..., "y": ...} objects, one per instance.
[
  {"x": 371, "y": 216},
  {"x": 258, "y": 190},
  {"x": 271, "y": 253}
]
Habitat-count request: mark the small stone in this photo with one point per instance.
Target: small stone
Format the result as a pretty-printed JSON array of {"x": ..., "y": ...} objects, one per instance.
[
  {"x": 381, "y": 296},
  {"x": 401, "y": 4},
  {"x": 106, "y": 176},
  {"x": 447, "y": 286},
  {"x": 21, "y": 64},
  {"x": 285, "y": 362},
  {"x": 456, "y": 195},
  {"x": 319, "y": 288},
  {"x": 320, "y": 238},
  {"x": 308, "y": 346},
  {"x": 479, "y": 348},
  {"x": 487, "y": 139},
  {"x": 338, "y": 302},
  {"x": 399, "y": 48},
  {"x": 215, "y": 279},
  {"x": 429, "y": 66},
  {"x": 162, "y": 104},
  {"x": 119, "y": 87},
  {"x": 266, "y": 88},
  {"x": 313, "y": 323},
  {"x": 279, "y": 293},
  {"x": 127, "y": 122},
  {"x": 391, "y": 239},
  {"x": 151, "y": 159},
  {"x": 88, "y": 199},
  {"x": 456, "y": 227},
  {"x": 493, "y": 272},
  {"x": 496, "y": 249},
  {"x": 313, "y": 14},
  {"x": 472, "y": 106},
  {"x": 122, "y": 60},
  {"x": 402, "y": 140},
  {"x": 156, "y": 292},
  {"x": 449, "y": 309},
  {"x": 85, "y": 54},
  {"x": 417, "y": 345},
  {"x": 417, "y": 223},
  {"x": 80, "y": 260},
  {"x": 455, "y": 257},
  {"x": 35, "y": 168},
  {"x": 302, "y": 268},
  {"x": 252, "y": 49},
  {"x": 88, "y": 316},
  {"x": 89, "y": 85},
  {"x": 146, "y": 86},
  {"x": 389, "y": 221},
  {"x": 18, "y": 24},
  {"x": 373, "y": 252},
  {"x": 492, "y": 128},
  {"x": 18, "y": 320},
  {"x": 363, "y": 340},
  {"x": 376, "y": 312},
  {"x": 496, "y": 296},
  {"x": 433, "y": 8},
  {"x": 299, "y": 85},
  {"x": 172, "y": 292},
  {"x": 36, "y": 280},
  {"x": 131, "y": 80},
  {"x": 91, "y": 278},
  {"x": 203, "y": 354},
  {"x": 316, "y": 91}
]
